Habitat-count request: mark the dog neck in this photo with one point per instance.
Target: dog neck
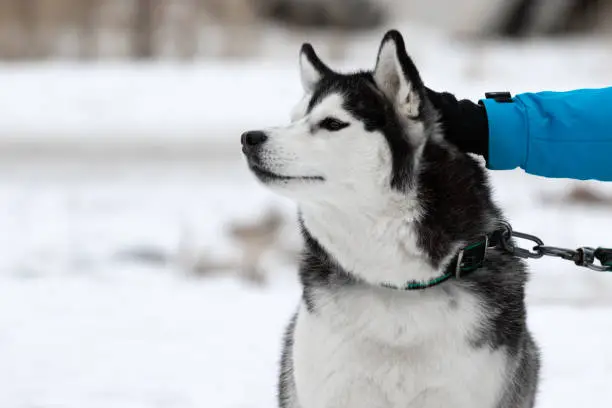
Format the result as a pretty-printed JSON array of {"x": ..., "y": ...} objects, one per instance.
[
  {"x": 374, "y": 240},
  {"x": 393, "y": 238}
]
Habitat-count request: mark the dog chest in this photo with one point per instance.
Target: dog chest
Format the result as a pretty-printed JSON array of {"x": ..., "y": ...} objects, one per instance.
[{"x": 341, "y": 364}]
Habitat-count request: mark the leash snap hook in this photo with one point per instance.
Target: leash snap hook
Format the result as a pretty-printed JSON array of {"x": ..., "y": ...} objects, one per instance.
[
  {"x": 584, "y": 256},
  {"x": 518, "y": 251},
  {"x": 526, "y": 253}
]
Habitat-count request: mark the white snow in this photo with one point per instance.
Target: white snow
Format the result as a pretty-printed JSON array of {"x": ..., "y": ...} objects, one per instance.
[
  {"x": 99, "y": 160},
  {"x": 160, "y": 341}
]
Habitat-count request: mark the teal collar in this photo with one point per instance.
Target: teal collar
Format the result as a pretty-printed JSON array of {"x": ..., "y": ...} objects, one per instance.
[
  {"x": 469, "y": 259},
  {"x": 472, "y": 257}
]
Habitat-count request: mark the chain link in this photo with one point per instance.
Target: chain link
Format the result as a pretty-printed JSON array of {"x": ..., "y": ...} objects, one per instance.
[{"x": 584, "y": 256}]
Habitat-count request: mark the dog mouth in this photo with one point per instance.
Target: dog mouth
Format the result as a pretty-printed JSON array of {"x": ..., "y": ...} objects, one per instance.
[{"x": 266, "y": 175}]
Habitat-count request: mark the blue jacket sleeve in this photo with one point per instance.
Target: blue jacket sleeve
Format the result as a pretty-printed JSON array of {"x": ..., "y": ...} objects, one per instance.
[{"x": 553, "y": 134}]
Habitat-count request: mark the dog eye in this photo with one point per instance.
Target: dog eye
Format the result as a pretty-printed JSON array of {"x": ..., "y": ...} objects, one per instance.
[{"x": 332, "y": 124}]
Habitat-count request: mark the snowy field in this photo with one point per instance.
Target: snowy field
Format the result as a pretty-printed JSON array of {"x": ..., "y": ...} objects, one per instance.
[{"x": 96, "y": 162}]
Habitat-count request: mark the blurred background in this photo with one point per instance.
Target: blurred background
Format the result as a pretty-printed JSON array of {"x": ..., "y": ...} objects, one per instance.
[{"x": 141, "y": 265}]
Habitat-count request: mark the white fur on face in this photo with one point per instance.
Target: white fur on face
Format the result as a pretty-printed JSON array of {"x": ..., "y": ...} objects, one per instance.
[
  {"x": 354, "y": 213},
  {"x": 299, "y": 110},
  {"x": 366, "y": 226},
  {"x": 353, "y": 161}
]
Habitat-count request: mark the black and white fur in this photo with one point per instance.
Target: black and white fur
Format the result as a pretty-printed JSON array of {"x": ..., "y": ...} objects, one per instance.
[{"x": 383, "y": 199}]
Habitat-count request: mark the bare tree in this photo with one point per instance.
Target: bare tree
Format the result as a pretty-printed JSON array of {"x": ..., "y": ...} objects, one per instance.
[
  {"x": 28, "y": 29},
  {"x": 179, "y": 24},
  {"x": 143, "y": 29},
  {"x": 580, "y": 16},
  {"x": 519, "y": 17},
  {"x": 87, "y": 14},
  {"x": 8, "y": 30},
  {"x": 189, "y": 30},
  {"x": 516, "y": 20}
]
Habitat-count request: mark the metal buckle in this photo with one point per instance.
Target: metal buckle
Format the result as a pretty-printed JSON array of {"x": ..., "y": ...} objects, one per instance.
[
  {"x": 458, "y": 266},
  {"x": 518, "y": 251},
  {"x": 462, "y": 252}
]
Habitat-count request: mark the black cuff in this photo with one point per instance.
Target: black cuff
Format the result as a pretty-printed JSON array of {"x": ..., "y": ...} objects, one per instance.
[{"x": 464, "y": 122}]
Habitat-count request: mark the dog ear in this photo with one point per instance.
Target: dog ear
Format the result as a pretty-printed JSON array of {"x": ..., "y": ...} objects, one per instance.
[
  {"x": 312, "y": 69},
  {"x": 397, "y": 76}
]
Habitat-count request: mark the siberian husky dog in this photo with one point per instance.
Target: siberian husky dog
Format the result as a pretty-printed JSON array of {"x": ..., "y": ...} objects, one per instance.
[{"x": 389, "y": 316}]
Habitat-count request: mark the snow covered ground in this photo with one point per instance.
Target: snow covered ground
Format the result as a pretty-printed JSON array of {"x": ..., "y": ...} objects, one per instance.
[
  {"x": 99, "y": 160},
  {"x": 167, "y": 342}
]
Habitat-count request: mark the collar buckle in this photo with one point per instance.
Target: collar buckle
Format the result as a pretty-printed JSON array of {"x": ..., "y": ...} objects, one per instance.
[{"x": 471, "y": 257}]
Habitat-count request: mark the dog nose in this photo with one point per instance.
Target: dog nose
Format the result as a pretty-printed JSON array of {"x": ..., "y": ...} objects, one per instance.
[{"x": 253, "y": 138}]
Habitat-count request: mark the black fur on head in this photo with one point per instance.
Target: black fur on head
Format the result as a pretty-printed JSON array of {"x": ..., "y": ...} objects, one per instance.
[
  {"x": 454, "y": 197},
  {"x": 452, "y": 189},
  {"x": 456, "y": 207},
  {"x": 377, "y": 98}
]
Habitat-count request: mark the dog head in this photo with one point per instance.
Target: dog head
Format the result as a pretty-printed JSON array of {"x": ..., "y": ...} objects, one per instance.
[{"x": 351, "y": 135}]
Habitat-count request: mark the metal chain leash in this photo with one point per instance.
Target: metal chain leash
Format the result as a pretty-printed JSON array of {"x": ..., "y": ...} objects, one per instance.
[{"x": 584, "y": 256}]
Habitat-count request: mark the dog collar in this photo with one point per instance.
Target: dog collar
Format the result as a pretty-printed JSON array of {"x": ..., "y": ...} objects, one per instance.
[
  {"x": 473, "y": 256},
  {"x": 469, "y": 259}
]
